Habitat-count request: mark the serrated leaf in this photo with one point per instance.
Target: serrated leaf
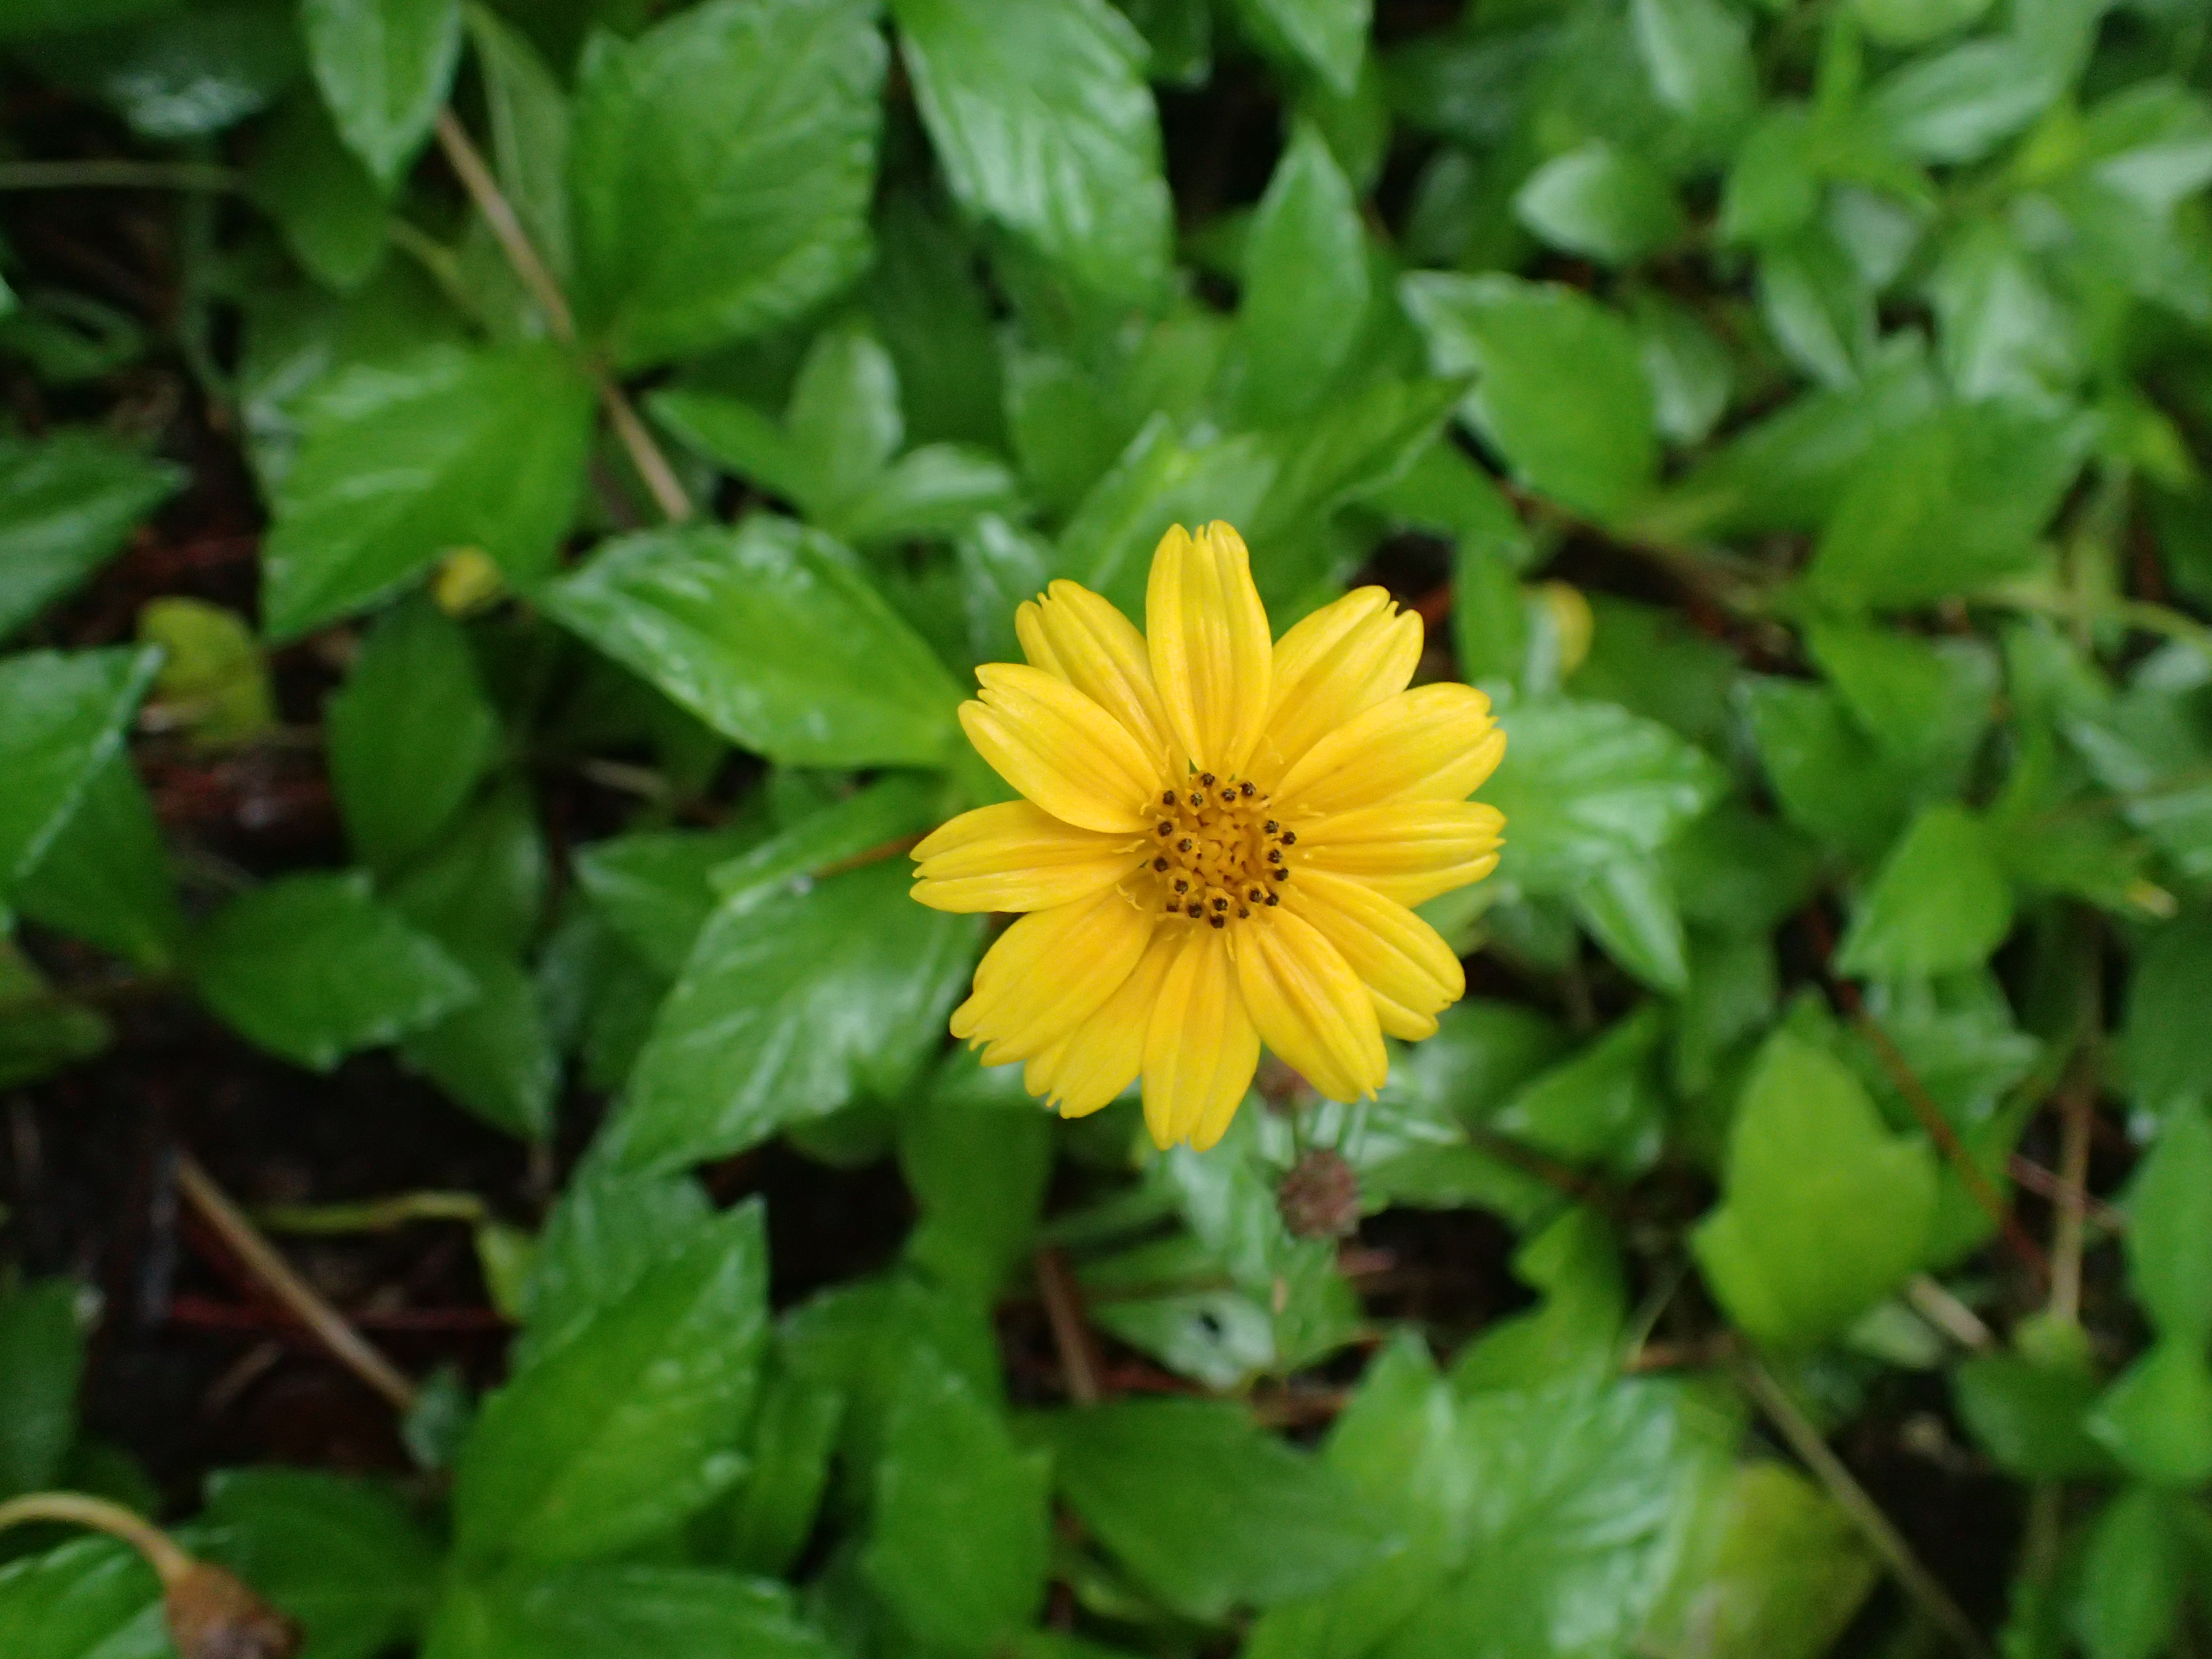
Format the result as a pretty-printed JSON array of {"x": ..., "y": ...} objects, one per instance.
[
  {"x": 312, "y": 967},
  {"x": 384, "y": 67},
  {"x": 397, "y": 464},
  {"x": 631, "y": 1425},
  {"x": 1940, "y": 902},
  {"x": 1305, "y": 285},
  {"x": 62, "y": 716},
  {"x": 771, "y": 635},
  {"x": 67, "y": 504},
  {"x": 788, "y": 1007},
  {"x": 1041, "y": 120},
  {"x": 721, "y": 166}
]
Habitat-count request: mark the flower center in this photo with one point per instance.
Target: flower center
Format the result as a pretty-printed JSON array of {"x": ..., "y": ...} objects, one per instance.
[{"x": 1217, "y": 853}]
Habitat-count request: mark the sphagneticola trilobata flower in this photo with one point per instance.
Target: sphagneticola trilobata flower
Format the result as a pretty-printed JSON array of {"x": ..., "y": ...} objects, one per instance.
[{"x": 1219, "y": 841}]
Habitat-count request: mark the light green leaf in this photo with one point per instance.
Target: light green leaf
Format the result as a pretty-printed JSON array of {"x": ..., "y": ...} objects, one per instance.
[
  {"x": 1305, "y": 286},
  {"x": 1603, "y": 202},
  {"x": 409, "y": 734},
  {"x": 1940, "y": 902},
  {"x": 2157, "y": 1417},
  {"x": 1583, "y": 783},
  {"x": 1595, "y": 452},
  {"x": 529, "y": 112},
  {"x": 312, "y": 967},
  {"x": 2133, "y": 1577},
  {"x": 960, "y": 1534},
  {"x": 624, "y": 1610},
  {"x": 1206, "y": 1510},
  {"x": 1697, "y": 53},
  {"x": 1824, "y": 1212},
  {"x": 790, "y": 1006},
  {"x": 2166, "y": 1044},
  {"x": 341, "y": 1555},
  {"x": 611, "y": 1228},
  {"x": 978, "y": 1175},
  {"x": 721, "y": 166},
  {"x": 1689, "y": 370},
  {"x": 447, "y": 448},
  {"x": 1958, "y": 106},
  {"x": 1817, "y": 306},
  {"x": 384, "y": 67},
  {"x": 67, "y": 504},
  {"x": 1604, "y": 1103},
  {"x": 94, "y": 1598},
  {"x": 2169, "y": 1238},
  {"x": 1161, "y": 479},
  {"x": 1906, "y": 23},
  {"x": 632, "y": 1424},
  {"x": 1329, "y": 37},
  {"x": 771, "y": 635},
  {"x": 62, "y": 716}
]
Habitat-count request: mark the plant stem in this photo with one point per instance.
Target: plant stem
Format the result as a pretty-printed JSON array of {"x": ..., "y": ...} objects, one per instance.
[
  {"x": 375, "y": 1215},
  {"x": 170, "y": 1562},
  {"x": 476, "y": 176},
  {"x": 117, "y": 175},
  {"x": 1071, "y": 1334},
  {"x": 301, "y": 1298},
  {"x": 1926, "y": 1590},
  {"x": 2077, "y": 1104}
]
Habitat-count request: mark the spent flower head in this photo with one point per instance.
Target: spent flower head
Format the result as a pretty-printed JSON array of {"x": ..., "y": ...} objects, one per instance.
[{"x": 1219, "y": 841}]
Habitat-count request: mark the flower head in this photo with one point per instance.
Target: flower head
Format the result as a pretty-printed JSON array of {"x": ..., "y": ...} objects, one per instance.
[{"x": 1220, "y": 839}]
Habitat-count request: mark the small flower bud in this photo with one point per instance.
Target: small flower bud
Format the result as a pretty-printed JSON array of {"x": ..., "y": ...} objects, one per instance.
[
  {"x": 213, "y": 1616},
  {"x": 1320, "y": 1197}
]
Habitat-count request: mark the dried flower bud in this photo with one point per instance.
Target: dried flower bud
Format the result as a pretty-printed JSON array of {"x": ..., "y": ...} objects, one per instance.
[
  {"x": 213, "y": 1616},
  {"x": 1320, "y": 1197}
]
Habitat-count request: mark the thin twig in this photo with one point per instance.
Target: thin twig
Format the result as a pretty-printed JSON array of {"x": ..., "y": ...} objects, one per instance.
[
  {"x": 1979, "y": 1186},
  {"x": 117, "y": 175},
  {"x": 244, "y": 1241},
  {"x": 1914, "y": 1579},
  {"x": 2077, "y": 1104},
  {"x": 1935, "y": 1304},
  {"x": 476, "y": 176},
  {"x": 1070, "y": 1332},
  {"x": 2044, "y": 1184},
  {"x": 375, "y": 1215},
  {"x": 72, "y": 1508}
]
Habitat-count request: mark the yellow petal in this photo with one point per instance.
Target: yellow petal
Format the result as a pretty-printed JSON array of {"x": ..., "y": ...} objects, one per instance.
[
  {"x": 1101, "y": 1056},
  {"x": 1201, "y": 1048},
  {"x": 1207, "y": 634},
  {"x": 1340, "y": 661},
  {"x": 1433, "y": 743},
  {"x": 1309, "y": 1007},
  {"x": 1079, "y": 635},
  {"x": 1405, "y": 964},
  {"x": 1017, "y": 856},
  {"x": 1061, "y": 750},
  {"x": 1048, "y": 971},
  {"x": 1408, "y": 850}
]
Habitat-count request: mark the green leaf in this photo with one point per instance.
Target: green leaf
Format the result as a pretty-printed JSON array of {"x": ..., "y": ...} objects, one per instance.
[
  {"x": 2003, "y": 333},
  {"x": 68, "y": 503},
  {"x": 341, "y": 1555},
  {"x": 41, "y": 1031},
  {"x": 2029, "y": 1415},
  {"x": 958, "y": 1543},
  {"x": 611, "y": 1228},
  {"x": 93, "y": 1598},
  {"x": 1628, "y": 906},
  {"x": 788, "y": 1007},
  {"x": 1927, "y": 702},
  {"x": 1579, "y": 1489},
  {"x": 481, "y": 887},
  {"x": 1904, "y": 23},
  {"x": 1940, "y": 902},
  {"x": 1775, "y": 1570},
  {"x": 41, "y": 1361},
  {"x": 496, "y": 1055},
  {"x": 2157, "y": 1417},
  {"x": 312, "y": 967},
  {"x": 1605, "y": 1103},
  {"x": 1305, "y": 286},
  {"x": 329, "y": 207},
  {"x": 397, "y": 464},
  {"x": 106, "y": 877},
  {"x": 1697, "y": 53},
  {"x": 384, "y": 67},
  {"x": 721, "y": 166},
  {"x": 1818, "y": 306},
  {"x": 624, "y": 1610},
  {"x": 1772, "y": 191},
  {"x": 1205, "y": 1510},
  {"x": 1160, "y": 479},
  {"x": 632, "y": 1424},
  {"x": 771, "y": 635},
  {"x": 1396, "y": 1444},
  {"x": 931, "y": 310},
  {"x": 1958, "y": 106},
  {"x": 1041, "y": 120},
  {"x": 1688, "y": 367},
  {"x": 2169, "y": 1236},
  {"x": 653, "y": 887},
  {"x": 978, "y": 1175},
  {"x": 1604, "y": 204},
  {"x": 62, "y": 716},
  {"x": 1824, "y": 1211},
  {"x": 1830, "y": 780},
  {"x": 409, "y": 734},
  {"x": 1595, "y": 452},
  {"x": 529, "y": 112},
  {"x": 1329, "y": 37},
  {"x": 795, "y": 1435},
  {"x": 1584, "y": 784},
  {"x": 2133, "y": 1577},
  {"x": 187, "y": 75},
  {"x": 2167, "y": 1046},
  {"x": 213, "y": 682}
]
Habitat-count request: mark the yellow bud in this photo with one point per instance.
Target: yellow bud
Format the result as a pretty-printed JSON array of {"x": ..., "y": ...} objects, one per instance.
[
  {"x": 467, "y": 581},
  {"x": 1570, "y": 620}
]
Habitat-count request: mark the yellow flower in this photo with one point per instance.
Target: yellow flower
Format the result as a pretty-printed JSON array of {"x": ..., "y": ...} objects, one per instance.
[{"x": 1218, "y": 844}]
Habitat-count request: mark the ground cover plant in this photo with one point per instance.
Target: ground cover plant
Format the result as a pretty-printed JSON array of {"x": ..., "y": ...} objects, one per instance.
[{"x": 500, "y": 506}]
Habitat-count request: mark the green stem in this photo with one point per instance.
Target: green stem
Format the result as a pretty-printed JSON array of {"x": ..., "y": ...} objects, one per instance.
[
  {"x": 375, "y": 1215},
  {"x": 74, "y": 1508}
]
